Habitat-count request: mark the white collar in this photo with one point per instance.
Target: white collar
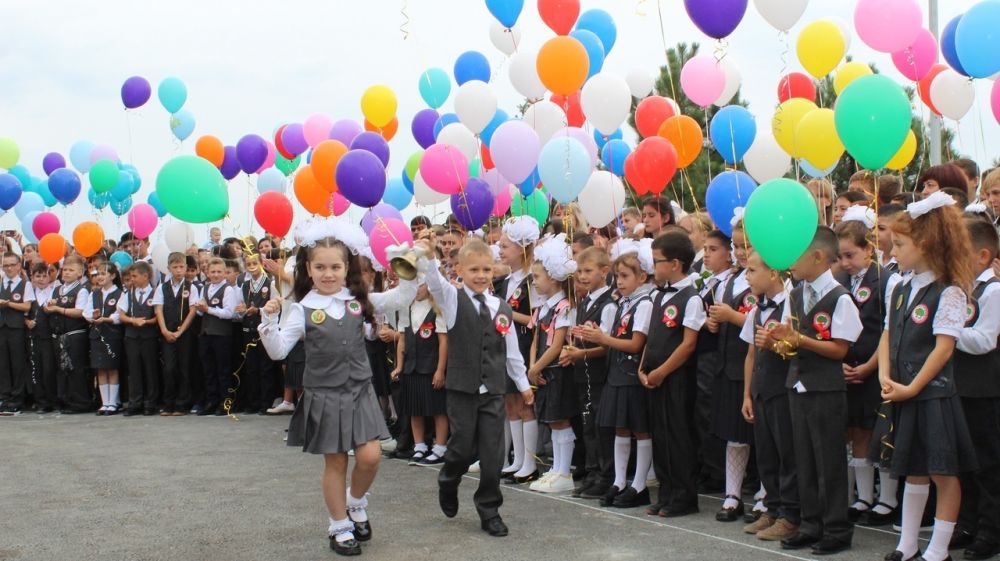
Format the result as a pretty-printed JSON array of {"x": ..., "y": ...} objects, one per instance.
[
  {"x": 724, "y": 275},
  {"x": 319, "y": 301},
  {"x": 216, "y": 286},
  {"x": 593, "y": 296},
  {"x": 778, "y": 298},
  {"x": 176, "y": 285},
  {"x": 554, "y": 300},
  {"x": 106, "y": 291},
  {"x": 67, "y": 287},
  {"x": 683, "y": 283},
  {"x": 986, "y": 275},
  {"x": 472, "y": 294},
  {"x": 822, "y": 282},
  {"x": 923, "y": 279},
  {"x": 861, "y": 274},
  {"x": 16, "y": 281},
  {"x": 518, "y": 276}
]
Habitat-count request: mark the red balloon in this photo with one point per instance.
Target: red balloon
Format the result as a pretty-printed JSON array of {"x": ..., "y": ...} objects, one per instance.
[
  {"x": 650, "y": 114},
  {"x": 571, "y": 106},
  {"x": 273, "y": 212},
  {"x": 796, "y": 84},
  {"x": 632, "y": 176},
  {"x": 485, "y": 157},
  {"x": 925, "y": 86},
  {"x": 655, "y": 162},
  {"x": 281, "y": 145},
  {"x": 559, "y": 15}
]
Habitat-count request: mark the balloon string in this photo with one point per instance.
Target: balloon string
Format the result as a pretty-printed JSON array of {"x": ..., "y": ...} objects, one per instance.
[
  {"x": 227, "y": 403},
  {"x": 404, "y": 27},
  {"x": 640, "y": 8}
]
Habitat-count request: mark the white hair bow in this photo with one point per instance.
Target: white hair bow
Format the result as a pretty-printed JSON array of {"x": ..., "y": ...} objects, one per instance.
[
  {"x": 937, "y": 199},
  {"x": 976, "y": 208},
  {"x": 522, "y": 230},
  {"x": 556, "y": 257},
  {"x": 858, "y": 213},
  {"x": 311, "y": 231},
  {"x": 737, "y": 216}
]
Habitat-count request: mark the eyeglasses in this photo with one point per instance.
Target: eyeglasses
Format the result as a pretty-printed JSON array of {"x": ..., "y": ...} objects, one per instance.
[
  {"x": 658, "y": 261},
  {"x": 10, "y": 265}
]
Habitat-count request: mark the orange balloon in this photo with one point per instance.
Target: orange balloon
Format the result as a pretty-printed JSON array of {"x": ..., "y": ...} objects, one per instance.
[
  {"x": 685, "y": 134},
  {"x": 210, "y": 148},
  {"x": 52, "y": 248},
  {"x": 324, "y": 161},
  {"x": 88, "y": 237},
  {"x": 562, "y": 65},
  {"x": 387, "y": 131},
  {"x": 308, "y": 191}
]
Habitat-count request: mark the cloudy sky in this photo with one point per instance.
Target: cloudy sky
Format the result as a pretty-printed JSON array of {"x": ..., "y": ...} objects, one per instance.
[{"x": 251, "y": 65}]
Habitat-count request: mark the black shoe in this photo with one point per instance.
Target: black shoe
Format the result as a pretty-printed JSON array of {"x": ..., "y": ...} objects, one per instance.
[
  {"x": 855, "y": 514},
  {"x": 148, "y": 412},
  {"x": 981, "y": 549},
  {"x": 526, "y": 479},
  {"x": 206, "y": 410},
  {"x": 401, "y": 454},
  {"x": 100, "y": 412},
  {"x": 898, "y": 556},
  {"x": 752, "y": 516},
  {"x": 448, "y": 499},
  {"x": 495, "y": 527},
  {"x": 609, "y": 497},
  {"x": 132, "y": 412},
  {"x": 595, "y": 491},
  {"x": 631, "y": 498},
  {"x": 43, "y": 410},
  {"x": 730, "y": 514},
  {"x": 349, "y": 547},
  {"x": 167, "y": 412},
  {"x": 69, "y": 411},
  {"x": 262, "y": 411},
  {"x": 961, "y": 539},
  {"x": 830, "y": 545},
  {"x": 676, "y": 511},
  {"x": 220, "y": 411},
  {"x": 363, "y": 531},
  {"x": 799, "y": 541},
  {"x": 197, "y": 409},
  {"x": 581, "y": 489},
  {"x": 875, "y": 519}
]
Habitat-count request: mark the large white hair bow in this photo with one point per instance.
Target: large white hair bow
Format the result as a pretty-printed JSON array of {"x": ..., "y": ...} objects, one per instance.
[{"x": 937, "y": 199}]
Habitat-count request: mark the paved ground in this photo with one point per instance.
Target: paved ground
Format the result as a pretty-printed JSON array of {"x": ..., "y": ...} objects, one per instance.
[{"x": 91, "y": 488}]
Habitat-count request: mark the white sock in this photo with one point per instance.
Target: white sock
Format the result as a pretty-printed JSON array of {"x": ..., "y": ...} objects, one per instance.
[
  {"x": 938, "y": 548},
  {"x": 288, "y": 403},
  {"x": 420, "y": 447},
  {"x": 888, "y": 485},
  {"x": 914, "y": 501},
  {"x": 113, "y": 394},
  {"x": 517, "y": 439},
  {"x": 506, "y": 446},
  {"x": 864, "y": 478},
  {"x": 530, "y": 429},
  {"x": 439, "y": 450},
  {"x": 105, "y": 394},
  {"x": 737, "y": 456},
  {"x": 341, "y": 530},
  {"x": 643, "y": 459},
  {"x": 358, "y": 513},
  {"x": 562, "y": 450},
  {"x": 760, "y": 494},
  {"x": 623, "y": 447}
]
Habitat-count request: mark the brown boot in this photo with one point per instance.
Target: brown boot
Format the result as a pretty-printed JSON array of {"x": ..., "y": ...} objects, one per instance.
[
  {"x": 764, "y": 522},
  {"x": 778, "y": 531}
]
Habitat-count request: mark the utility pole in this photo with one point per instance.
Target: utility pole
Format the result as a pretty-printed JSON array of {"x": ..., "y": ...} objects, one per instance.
[{"x": 935, "y": 139}]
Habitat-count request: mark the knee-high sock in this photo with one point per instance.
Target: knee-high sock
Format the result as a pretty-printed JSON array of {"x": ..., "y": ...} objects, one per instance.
[
  {"x": 737, "y": 456},
  {"x": 105, "y": 393},
  {"x": 562, "y": 450},
  {"x": 914, "y": 501},
  {"x": 864, "y": 478},
  {"x": 516, "y": 432},
  {"x": 887, "y": 486},
  {"x": 623, "y": 446},
  {"x": 937, "y": 550},
  {"x": 530, "y": 431},
  {"x": 643, "y": 459}
]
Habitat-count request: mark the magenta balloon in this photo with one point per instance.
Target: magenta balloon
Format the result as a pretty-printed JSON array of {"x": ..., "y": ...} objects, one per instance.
[
  {"x": 381, "y": 211},
  {"x": 142, "y": 220},
  {"x": 103, "y": 152},
  {"x": 917, "y": 60},
  {"x": 444, "y": 169},
  {"x": 345, "y": 130},
  {"x": 387, "y": 233},
  {"x": 501, "y": 203},
  {"x": 514, "y": 149},
  {"x": 294, "y": 140},
  {"x": 45, "y": 223}
]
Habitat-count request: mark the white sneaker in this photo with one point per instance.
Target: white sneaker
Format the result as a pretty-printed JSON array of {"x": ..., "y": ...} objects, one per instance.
[
  {"x": 557, "y": 483},
  {"x": 282, "y": 409},
  {"x": 539, "y": 483},
  {"x": 474, "y": 468},
  {"x": 388, "y": 445}
]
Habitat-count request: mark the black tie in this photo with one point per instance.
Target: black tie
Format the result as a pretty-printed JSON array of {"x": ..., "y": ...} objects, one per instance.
[
  {"x": 484, "y": 311},
  {"x": 767, "y": 305},
  {"x": 668, "y": 289}
]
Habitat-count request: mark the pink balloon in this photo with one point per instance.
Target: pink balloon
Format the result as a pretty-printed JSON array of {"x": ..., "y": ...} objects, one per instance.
[
  {"x": 272, "y": 154},
  {"x": 339, "y": 204},
  {"x": 585, "y": 138},
  {"x": 103, "y": 152},
  {"x": 142, "y": 220},
  {"x": 45, "y": 223},
  {"x": 916, "y": 61},
  {"x": 995, "y": 100},
  {"x": 317, "y": 128},
  {"x": 388, "y": 232},
  {"x": 703, "y": 80},
  {"x": 888, "y": 26},
  {"x": 444, "y": 169},
  {"x": 501, "y": 202},
  {"x": 514, "y": 148},
  {"x": 496, "y": 182}
]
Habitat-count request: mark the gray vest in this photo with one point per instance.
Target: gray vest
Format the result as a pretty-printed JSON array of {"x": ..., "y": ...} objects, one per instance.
[
  {"x": 769, "y": 370},
  {"x": 211, "y": 325},
  {"x": 817, "y": 373},
  {"x": 477, "y": 352},
  {"x": 143, "y": 310},
  {"x": 9, "y": 317},
  {"x": 911, "y": 339},
  {"x": 977, "y": 376},
  {"x": 666, "y": 327},
  {"x": 335, "y": 348},
  {"x": 870, "y": 301}
]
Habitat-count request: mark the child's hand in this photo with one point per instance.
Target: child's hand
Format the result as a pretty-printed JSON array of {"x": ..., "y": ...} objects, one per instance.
[
  {"x": 569, "y": 355},
  {"x": 589, "y": 333},
  {"x": 3, "y": 303},
  {"x": 784, "y": 332},
  {"x": 854, "y": 375},
  {"x": 747, "y": 409},
  {"x": 534, "y": 378},
  {"x": 528, "y": 396},
  {"x": 894, "y": 391},
  {"x": 395, "y": 373},
  {"x": 273, "y": 306},
  {"x": 241, "y": 308},
  {"x": 437, "y": 382},
  {"x": 170, "y": 337},
  {"x": 29, "y": 323},
  {"x": 253, "y": 310},
  {"x": 762, "y": 339},
  {"x": 95, "y": 315},
  {"x": 720, "y": 313},
  {"x": 426, "y": 242},
  {"x": 386, "y": 334},
  {"x": 712, "y": 325}
]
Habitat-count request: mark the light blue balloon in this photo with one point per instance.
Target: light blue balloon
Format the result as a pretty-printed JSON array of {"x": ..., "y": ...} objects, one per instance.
[
  {"x": 396, "y": 194},
  {"x": 435, "y": 87},
  {"x": 729, "y": 189},
  {"x": 29, "y": 202},
  {"x": 813, "y": 171},
  {"x": 136, "y": 179},
  {"x": 123, "y": 189},
  {"x": 154, "y": 201},
  {"x": 564, "y": 167},
  {"x": 172, "y": 93},
  {"x": 121, "y": 259},
  {"x": 79, "y": 155},
  {"x": 443, "y": 121},
  {"x": 732, "y": 131},
  {"x": 499, "y": 118},
  {"x": 506, "y": 11},
  {"x": 98, "y": 200},
  {"x": 601, "y": 140},
  {"x": 613, "y": 155},
  {"x": 599, "y": 23},
  {"x": 595, "y": 49},
  {"x": 21, "y": 173},
  {"x": 182, "y": 124},
  {"x": 121, "y": 207},
  {"x": 271, "y": 179},
  {"x": 41, "y": 186},
  {"x": 26, "y": 230},
  {"x": 977, "y": 39}
]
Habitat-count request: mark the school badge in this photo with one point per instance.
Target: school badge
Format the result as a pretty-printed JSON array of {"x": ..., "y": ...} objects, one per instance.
[
  {"x": 749, "y": 301},
  {"x": 317, "y": 317},
  {"x": 185, "y": 294},
  {"x": 920, "y": 314},
  {"x": 15, "y": 297},
  {"x": 970, "y": 312},
  {"x": 63, "y": 300},
  {"x": 515, "y": 298},
  {"x": 623, "y": 325},
  {"x": 263, "y": 290},
  {"x": 770, "y": 325},
  {"x": 215, "y": 301},
  {"x": 426, "y": 330},
  {"x": 502, "y": 324},
  {"x": 670, "y": 316},
  {"x": 111, "y": 302},
  {"x": 821, "y": 323},
  {"x": 863, "y": 295},
  {"x": 354, "y": 308}
]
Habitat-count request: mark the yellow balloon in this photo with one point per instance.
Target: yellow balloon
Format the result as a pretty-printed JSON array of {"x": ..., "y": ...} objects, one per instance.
[
  {"x": 9, "y": 153},
  {"x": 906, "y": 153},
  {"x": 817, "y": 138},
  {"x": 848, "y": 73},
  {"x": 820, "y": 47},
  {"x": 786, "y": 118},
  {"x": 379, "y": 105}
]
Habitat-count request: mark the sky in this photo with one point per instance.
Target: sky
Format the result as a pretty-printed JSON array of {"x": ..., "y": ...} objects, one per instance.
[{"x": 251, "y": 65}]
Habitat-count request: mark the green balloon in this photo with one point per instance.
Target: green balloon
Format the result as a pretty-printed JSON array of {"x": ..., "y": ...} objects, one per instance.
[
  {"x": 780, "y": 220},
  {"x": 873, "y": 117},
  {"x": 104, "y": 175},
  {"x": 285, "y": 165},
  {"x": 413, "y": 164},
  {"x": 474, "y": 167},
  {"x": 193, "y": 190},
  {"x": 535, "y": 205}
]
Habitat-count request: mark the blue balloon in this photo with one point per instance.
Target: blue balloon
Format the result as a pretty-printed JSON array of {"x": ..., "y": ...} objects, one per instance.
[
  {"x": 271, "y": 179},
  {"x": 121, "y": 207},
  {"x": 506, "y": 11},
  {"x": 729, "y": 189},
  {"x": 396, "y": 193},
  {"x": 26, "y": 230},
  {"x": 732, "y": 131},
  {"x": 443, "y": 121},
  {"x": 813, "y": 171},
  {"x": 154, "y": 201},
  {"x": 599, "y": 23},
  {"x": 121, "y": 259},
  {"x": 613, "y": 155},
  {"x": 531, "y": 183},
  {"x": 10, "y": 191},
  {"x": 435, "y": 87},
  {"x": 29, "y": 202},
  {"x": 41, "y": 186},
  {"x": 64, "y": 184},
  {"x": 601, "y": 140},
  {"x": 21, "y": 173},
  {"x": 564, "y": 167},
  {"x": 79, "y": 155},
  {"x": 948, "y": 47},
  {"x": 471, "y": 65},
  {"x": 406, "y": 181},
  {"x": 123, "y": 189},
  {"x": 182, "y": 124},
  {"x": 136, "y": 180},
  {"x": 595, "y": 49},
  {"x": 98, "y": 200},
  {"x": 977, "y": 40},
  {"x": 499, "y": 118},
  {"x": 172, "y": 93}
]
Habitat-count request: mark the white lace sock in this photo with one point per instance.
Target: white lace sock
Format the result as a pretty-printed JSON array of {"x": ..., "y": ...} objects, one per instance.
[
  {"x": 420, "y": 447},
  {"x": 887, "y": 487},
  {"x": 623, "y": 447},
  {"x": 643, "y": 458},
  {"x": 737, "y": 456},
  {"x": 530, "y": 448},
  {"x": 937, "y": 550},
  {"x": 914, "y": 501},
  {"x": 356, "y": 508},
  {"x": 341, "y": 530},
  {"x": 864, "y": 478},
  {"x": 516, "y": 430}
]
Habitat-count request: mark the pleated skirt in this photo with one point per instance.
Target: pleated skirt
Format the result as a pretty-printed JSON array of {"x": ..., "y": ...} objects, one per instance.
[
  {"x": 335, "y": 420},
  {"x": 418, "y": 398},
  {"x": 929, "y": 437},
  {"x": 556, "y": 400},
  {"x": 727, "y": 420},
  {"x": 624, "y": 407}
]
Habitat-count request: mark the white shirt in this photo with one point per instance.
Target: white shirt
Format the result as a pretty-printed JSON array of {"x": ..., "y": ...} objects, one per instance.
[
  {"x": 846, "y": 323},
  {"x": 29, "y": 291},
  {"x": 41, "y": 295},
  {"x": 747, "y": 333},
  {"x": 230, "y": 299},
  {"x": 142, "y": 295},
  {"x": 694, "y": 310},
  {"x": 418, "y": 312},
  {"x": 608, "y": 313},
  {"x": 720, "y": 287},
  {"x": 981, "y": 337},
  {"x": 88, "y": 311},
  {"x": 158, "y": 297},
  {"x": 950, "y": 316},
  {"x": 514, "y": 282},
  {"x": 640, "y": 310},
  {"x": 564, "y": 319},
  {"x": 81, "y": 297}
]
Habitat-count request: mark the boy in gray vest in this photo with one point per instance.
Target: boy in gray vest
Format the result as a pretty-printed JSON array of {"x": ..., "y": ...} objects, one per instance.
[
  {"x": 482, "y": 348},
  {"x": 16, "y": 296}
]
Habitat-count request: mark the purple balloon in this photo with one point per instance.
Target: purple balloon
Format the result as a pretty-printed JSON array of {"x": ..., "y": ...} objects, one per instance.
[
  {"x": 361, "y": 178},
  {"x": 472, "y": 207},
  {"x": 422, "y": 127},
  {"x": 381, "y": 210},
  {"x": 230, "y": 163},
  {"x": 53, "y": 161},
  {"x": 135, "y": 92},
  {"x": 345, "y": 130},
  {"x": 104, "y": 152},
  {"x": 251, "y": 151},
  {"x": 374, "y": 143},
  {"x": 294, "y": 139},
  {"x": 716, "y": 18}
]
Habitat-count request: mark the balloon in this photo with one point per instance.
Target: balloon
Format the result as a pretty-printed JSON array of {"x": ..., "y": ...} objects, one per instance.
[
  {"x": 251, "y": 152},
  {"x": 271, "y": 179},
  {"x": 571, "y": 108},
  {"x": 820, "y": 47},
  {"x": 716, "y": 18},
  {"x": 345, "y": 131},
  {"x": 311, "y": 195},
  {"x": 813, "y": 171},
  {"x": 79, "y": 155},
  {"x": 766, "y": 160},
  {"x": 179, "y": 236},
  {"x": 9, "y": 153},
  {"x": 502, "y": 200},
  {"x": 470, "y": 65},
  {"x": 905, "y": 154},
  {"x": 52, "y": 248},
  {"x": 28, "y": 203},
  {"x": 182, "y": 124},
  {"x": 949, "y": 45},
  {"x": 924, "y": 87},
  {"x": 88, "y": 238},
  {"x": 98, "y": 200},
  {"x": 273, "y": 212},
  {"x": 103, "y": 152},
  {"x": 396, "y": 194},
  {"x": 515, "y": 148},
  {"x": 193, "y": 190},
  {"x": 794, "y": 85},
  {"x": 361, "y": 178},
  {"x": 104, "y": 175},
  {"x": 599, "y": 23},
  {"x": 564, "y": 168},
  {"x": 26, "y": 232},
  {"x": 584, "y": 139},
  {"x": 230, "y": 163},
  {"x": 562, "y": 65},
  {"x": 918, "y": 59},
  {"x": 316, "y": 129},
  {"x": 733, "y": 81},
  {"x": 995, "y": 101},
  {"x": 172, "y": 93},
  {"x": 386, "y": 233},
  {"x": 64, "y": 185},
  {"x": 505, "y": 39},
  {"x": 435, "y": 87},
  {"x": 272, "y": 155},
  {"x": 10, "y": 191},
  {"x": 285, "y": 166},
  {"x": 651, "y": 113},
  {"x": 786, "y": 121},
  {"x": 41, "y": 186},
  {"x": 781, "y": 14},
  {"x": 459, "y": 136},
  {"x": 22, "y": 174},
  {"x": 888, "y": 25},
  {"x": 728, "y": 190},
  {"x": 44, "y": 223},
  {"x": 294, "y": 140},
  {"x": 606, "y": 101},
  {"x": 135, "y": 93},
  {"x": 816, "y": 139},
  {"x": 499, "y": 118},
  {"x": 121, "y": 259},
  {"x": 656, "y": 161},
  {"x": 279, "y": 144},
  {"x": 154, "y": 201},
  {"x": 873, "y": 118},
  {"x": 524, "y": 75},
  {"x": 444, "y": 168},
  {"x": 686, "y": 136},
  {"x": 210, "y": 148},
  {"x": 702, "y": 80},
  {"x": 535, "y": 206},
  {"x": 640, "y": 83},
  {"x": 473, "y": 206},
  {"x": 780, "y": 220},
  {"x": 424, "y": 195},
  {"x": 559, "y": 15},
  {"x": 952, "y": 94},
  {"x": 386, "y": 132},
  {"x": 977, "y": 41},
  {"x": 594, "y": 48},
  {"x": 443, "y": 122},
  {"x": 497, "y": 183},
  {"x": 324, "y": 162},
  {"x": 600, "y": 140},
  {"x": 475, "y": 105},
  {"x": 374, "y": 143},
  {"x": 530, "y": 184},
  {"x": 602, "y": 199},
  {"x": 142, "y": 220},
  {"x": 53, "y": 161},
  {"x": 732, "y": 132},
  {"x": 422, "y": 127},
  {"x": 160, "y": 256},
  {"x": 848, "y": 73},
  {"x": 613, "y": 155}
]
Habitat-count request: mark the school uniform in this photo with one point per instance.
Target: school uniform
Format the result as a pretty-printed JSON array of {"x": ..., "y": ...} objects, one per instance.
[
  {"x": 73, "y": 343},
  {"x": 13, "y": 343},
  {"x": 216, "y": 342},
  {"x": 195, "y": 373},
  {"x": 590, "y": 374},
  {"x": 42, "y": 349},
  {"x": 556, "y": 399},
  {"x": 711, "y": 449},
  {"x": 142, "y": 347},
  {"x": 378, "y": 352},
  {"x": 259, "y": 371},
  {"x": 175, "y": 300},
  {"x": 727, "y": 391},
  {"x": 624, "y": 404},
  {"x": 106, "y": 351},
  {"x": 421, "y": 326},
  {"x": 517, "y": 291}
]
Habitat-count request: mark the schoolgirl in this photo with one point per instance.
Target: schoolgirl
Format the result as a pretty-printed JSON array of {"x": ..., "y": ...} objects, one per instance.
[{"x": 106, "y": 334}]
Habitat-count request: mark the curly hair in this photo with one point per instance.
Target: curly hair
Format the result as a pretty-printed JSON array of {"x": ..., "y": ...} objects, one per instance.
[
  {"x": 943, "y": 240},
  {"x": 355, "y": 283}
]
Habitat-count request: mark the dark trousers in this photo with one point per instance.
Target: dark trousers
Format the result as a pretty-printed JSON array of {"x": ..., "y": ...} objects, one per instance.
[
  {"x": 13, "y": 366},
  {"x": 671, "y": 412},
  {"x": 981, "y": 489},
  {"x": 43, "y": 371},
  {"x": 177, "y": 372},
  {"x": 257, "y": 378},
  {"x": 818, "y": 421},
  {"x": 79, "y": 388},
  {"x": 193, "y": 365},
  {"x": 595, "y": 460},
  {"x": 216, "y": 363},
  {"x": 476, "y": 422},
  {"x": 775, "y": 453},
  {"x": 711, "y": 449},
  {"x": 143, "y": 360}
]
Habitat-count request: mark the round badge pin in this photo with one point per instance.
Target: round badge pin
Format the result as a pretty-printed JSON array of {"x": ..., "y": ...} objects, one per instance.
[
  {"x": 111, "y": 302},
  {"x": 215, "y": 301},
  {"x": 750, "y": 300},
  {"x": 770, "y": 325},
  {"x": 354, "y": 307},
  {"x": 821, "y": 321},
  {"x": 16, "y": 297},
  {"x": 863, "y": 295},
  {"x": 920, "y": 314},
  {"x": 970, "y": 312},
  {"x": 317, "y": 317},
  {"x": 185, "y": 294}
]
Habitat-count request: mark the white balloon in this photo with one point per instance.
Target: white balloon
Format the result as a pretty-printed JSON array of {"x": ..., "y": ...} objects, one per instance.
[
  {"x": 952, "y": 94},
  {"x": 602, "y": 198},
  {"x": 766, "y": 160},
  {"x": 271, "y": 179},
  {"x": 733, "y": 81},
  {"x": 424, "y": 195},
  {"x": 640, "y": 83},
  {"x": 845, "y": 29},
  {"x": 505, "y": 40},
  {"x": 475, "y": 105},
  {"x": 524, "y": 75},
  {"x": 546, "y": 118},
  {"x": 179, "y": 236},
  {"x": 781, "y": 14},
  {"x": 606, "y": 101},
  {"x": 674, "y": 105},
  {"x": 459, "y": 136},
  {"x": 160, "y": 255}
]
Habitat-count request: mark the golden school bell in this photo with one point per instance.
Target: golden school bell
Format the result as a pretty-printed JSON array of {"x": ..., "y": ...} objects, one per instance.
[{"x": 404, "y": 264}]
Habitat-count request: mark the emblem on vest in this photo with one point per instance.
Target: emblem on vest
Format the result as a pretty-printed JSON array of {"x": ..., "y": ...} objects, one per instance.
[
  {"x": 515, "y": 299},
  {"x": 263, "y": 290},
  {"x": 770, "y": 325},
  {"x": 15, "y": 297},
  {"x": 821, "y": 322},
  {"x": 864, "y": 293},
  {"x": 670, "y": 316},
  {"x": 623, "y": 325},
  {"x": 185, "y": 294},
  {"x": 920, "y": 314},
  {"x": 354, "y": 307},
  {"x": 215, "y": 301},
  {"x": 749, "y": 301},
  {"x": 503, "y": 324},
  {"x": 426, "y": 330},
  {"x": 317, "y": 317},
  {"x": 63, "y": 300},
  {"x": 111, "y": 302}
]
